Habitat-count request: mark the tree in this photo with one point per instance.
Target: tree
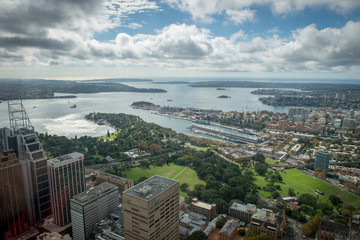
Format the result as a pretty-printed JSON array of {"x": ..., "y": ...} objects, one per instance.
[
  {"x": 155, "y": 148},
  {"x": 145, "y": 164},
  {"x": 346, "y": 212},
  {"x": 198, "y": 235},
  {"x": 275, "y": 194},
  {"x": 260, "y": 168},
  {"x": 220, "y": 223},
  {"x": 142, "y": 145},
  {"x": 259, "y": 157},
  {"x": 335, "y": 200},
  {"x": 242, "y": 232},
  {"x": 307, "y": 199},
  {"x": 320, "y": 173},
  {"x": 108, "y": 134},
  {"x": 325, "y": 208},
  {"x": 291, "y": 192},
  {"x": 184, "y": 187},
  {"x": 311, "y": 227}
]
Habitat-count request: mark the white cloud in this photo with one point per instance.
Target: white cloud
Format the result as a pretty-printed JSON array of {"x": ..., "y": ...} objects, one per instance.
[
  {"x": 238, "y": 35},
  {"x": 63, "y": 36},
  {"x": 240, "y": 16},
  {"x": 204, "y": 9},
  {"x": 134, "y": 25}
]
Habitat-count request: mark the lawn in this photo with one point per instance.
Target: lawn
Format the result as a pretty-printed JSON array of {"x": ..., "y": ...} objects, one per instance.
[
  {"x": 112, "y": 135},
  {"x": 172, "y": 171},
  {"x": 274, "y": 162},
  {"x": 303, "y": 183}
]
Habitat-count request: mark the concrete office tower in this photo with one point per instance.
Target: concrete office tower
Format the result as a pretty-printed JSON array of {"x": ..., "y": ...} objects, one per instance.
[
  {"x": 322, "y": 160},
  {"x": 13, "y": 213},
  {"x": 151, "y": 210},
  {"x": 67, "y": 179},
  {"x": 22, "y": 138},
  {"x": 88, "y": 208}
]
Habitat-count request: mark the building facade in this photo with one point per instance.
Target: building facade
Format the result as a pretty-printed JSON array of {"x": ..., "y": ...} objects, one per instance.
[
  {"x": 89, "y": 207},
  {"x": 331, "y": 230},
  {"x": 229, "y": 230},
  {"x": 122, "y": 183},
  {"x": 22, "y": 138},
  {"x": 151, "y": 210},
  {"x": 13, "y": 212},
  {"x": 208, "y": 210},
  {"x": 271, "y": 221},
  {"x": 322, "y": 160},
  {"x": 242, "y": 212},
  {"x": 67, "y": 179}
]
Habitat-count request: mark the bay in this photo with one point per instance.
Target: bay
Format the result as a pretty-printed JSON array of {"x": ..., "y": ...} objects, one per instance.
[{"x": 56, "y": 117}]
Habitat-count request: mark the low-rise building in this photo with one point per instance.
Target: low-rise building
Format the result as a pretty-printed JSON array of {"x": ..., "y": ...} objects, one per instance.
[
  {"x": 229, "y": 230},
  {"x": 242, "y": 212},
  {"x": 122, "y": 183},
  {"x": 208, "y": 210},
  {"x": 330, "y": 230},
  {"x": 271, "y": 221}
]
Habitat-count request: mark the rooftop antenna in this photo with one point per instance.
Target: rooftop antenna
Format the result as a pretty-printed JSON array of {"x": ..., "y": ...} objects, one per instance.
[{"x": 18, "y": 118}]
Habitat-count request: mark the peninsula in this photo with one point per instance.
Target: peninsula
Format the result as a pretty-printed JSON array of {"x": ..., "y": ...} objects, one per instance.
[{"x": 45, "y": 89}]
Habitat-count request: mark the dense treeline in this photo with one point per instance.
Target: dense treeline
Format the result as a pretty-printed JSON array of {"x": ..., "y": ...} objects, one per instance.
[{"x": 225, "y": 181}]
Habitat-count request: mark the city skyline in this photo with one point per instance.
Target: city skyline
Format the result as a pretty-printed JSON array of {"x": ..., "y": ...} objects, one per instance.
[{"x": 180, "y": 38}]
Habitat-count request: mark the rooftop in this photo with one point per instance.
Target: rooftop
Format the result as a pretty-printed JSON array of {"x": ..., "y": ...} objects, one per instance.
[
  {"x": 203, "y": 205},
  {"x": 249, "y": 208},
  {"x": 229, "y": 227},
  {"x": 151, "y": 187},
  {"x": 66, "y": 158},
  {"x": 94, "y": 193}
]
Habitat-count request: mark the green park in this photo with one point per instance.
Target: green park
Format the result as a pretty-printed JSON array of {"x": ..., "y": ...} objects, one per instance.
[{"x": 304, "y": 183}]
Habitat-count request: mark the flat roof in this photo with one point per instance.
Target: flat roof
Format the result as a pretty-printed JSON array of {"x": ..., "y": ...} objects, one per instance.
[
  {"x": 66, "y": 158},
  {"x": 202, "y": 205},
  {"x": 229, "y": 227},
  {"x": 151, "y": 187},
  {"x": 94, "y": 192},
  {"x": 243, "y": 208}
]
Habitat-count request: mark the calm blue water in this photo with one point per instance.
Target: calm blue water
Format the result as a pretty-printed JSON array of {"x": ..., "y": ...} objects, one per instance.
[{"x": 56, "y": 117}]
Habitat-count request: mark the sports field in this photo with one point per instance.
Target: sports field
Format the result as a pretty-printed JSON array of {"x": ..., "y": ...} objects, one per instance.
[
  {"x": 304, "y": 183},
  {"x": 176, "y": 172}
]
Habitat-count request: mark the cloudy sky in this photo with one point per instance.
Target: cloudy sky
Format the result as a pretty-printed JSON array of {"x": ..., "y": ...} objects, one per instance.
[{"x": 84, "y": 39}]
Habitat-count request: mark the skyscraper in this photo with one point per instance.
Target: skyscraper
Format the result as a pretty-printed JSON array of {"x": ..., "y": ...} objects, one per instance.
[
  {"x": 22, "y": 138},
  {"x": 13, "y": 213},
  {"x": 87, "y": 208},
  {"x": 67, "y": 179},
  {"x": 151, "y": 210},
  {"x": 322, "y": 160}
]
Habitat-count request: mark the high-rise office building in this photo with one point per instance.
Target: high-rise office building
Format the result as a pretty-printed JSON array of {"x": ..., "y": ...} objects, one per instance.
[
  {"x": 22, "y": 138},
  {"x": 13, "y": 212},
  {"x": 151, "y": 210},
  {"x": 88, "y": 208},
  {"x": 67, "y": 179},
  {"x": 322, "y": 160}
]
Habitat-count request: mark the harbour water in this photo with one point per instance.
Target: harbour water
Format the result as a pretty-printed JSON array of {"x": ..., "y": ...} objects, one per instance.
[{"x": 56, "y": 116}]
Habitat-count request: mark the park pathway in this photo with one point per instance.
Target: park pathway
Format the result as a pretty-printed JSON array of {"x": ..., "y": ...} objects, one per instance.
[{"x": 180, "y": 173}]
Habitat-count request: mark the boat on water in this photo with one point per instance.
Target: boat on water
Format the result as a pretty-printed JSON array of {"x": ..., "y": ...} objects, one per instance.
[
  {"x": 224, "y": 96},
  {"x": 73, "y": 106},
  {"x": 169, "y": 100},
  {"x": 220, "y": 88}
]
